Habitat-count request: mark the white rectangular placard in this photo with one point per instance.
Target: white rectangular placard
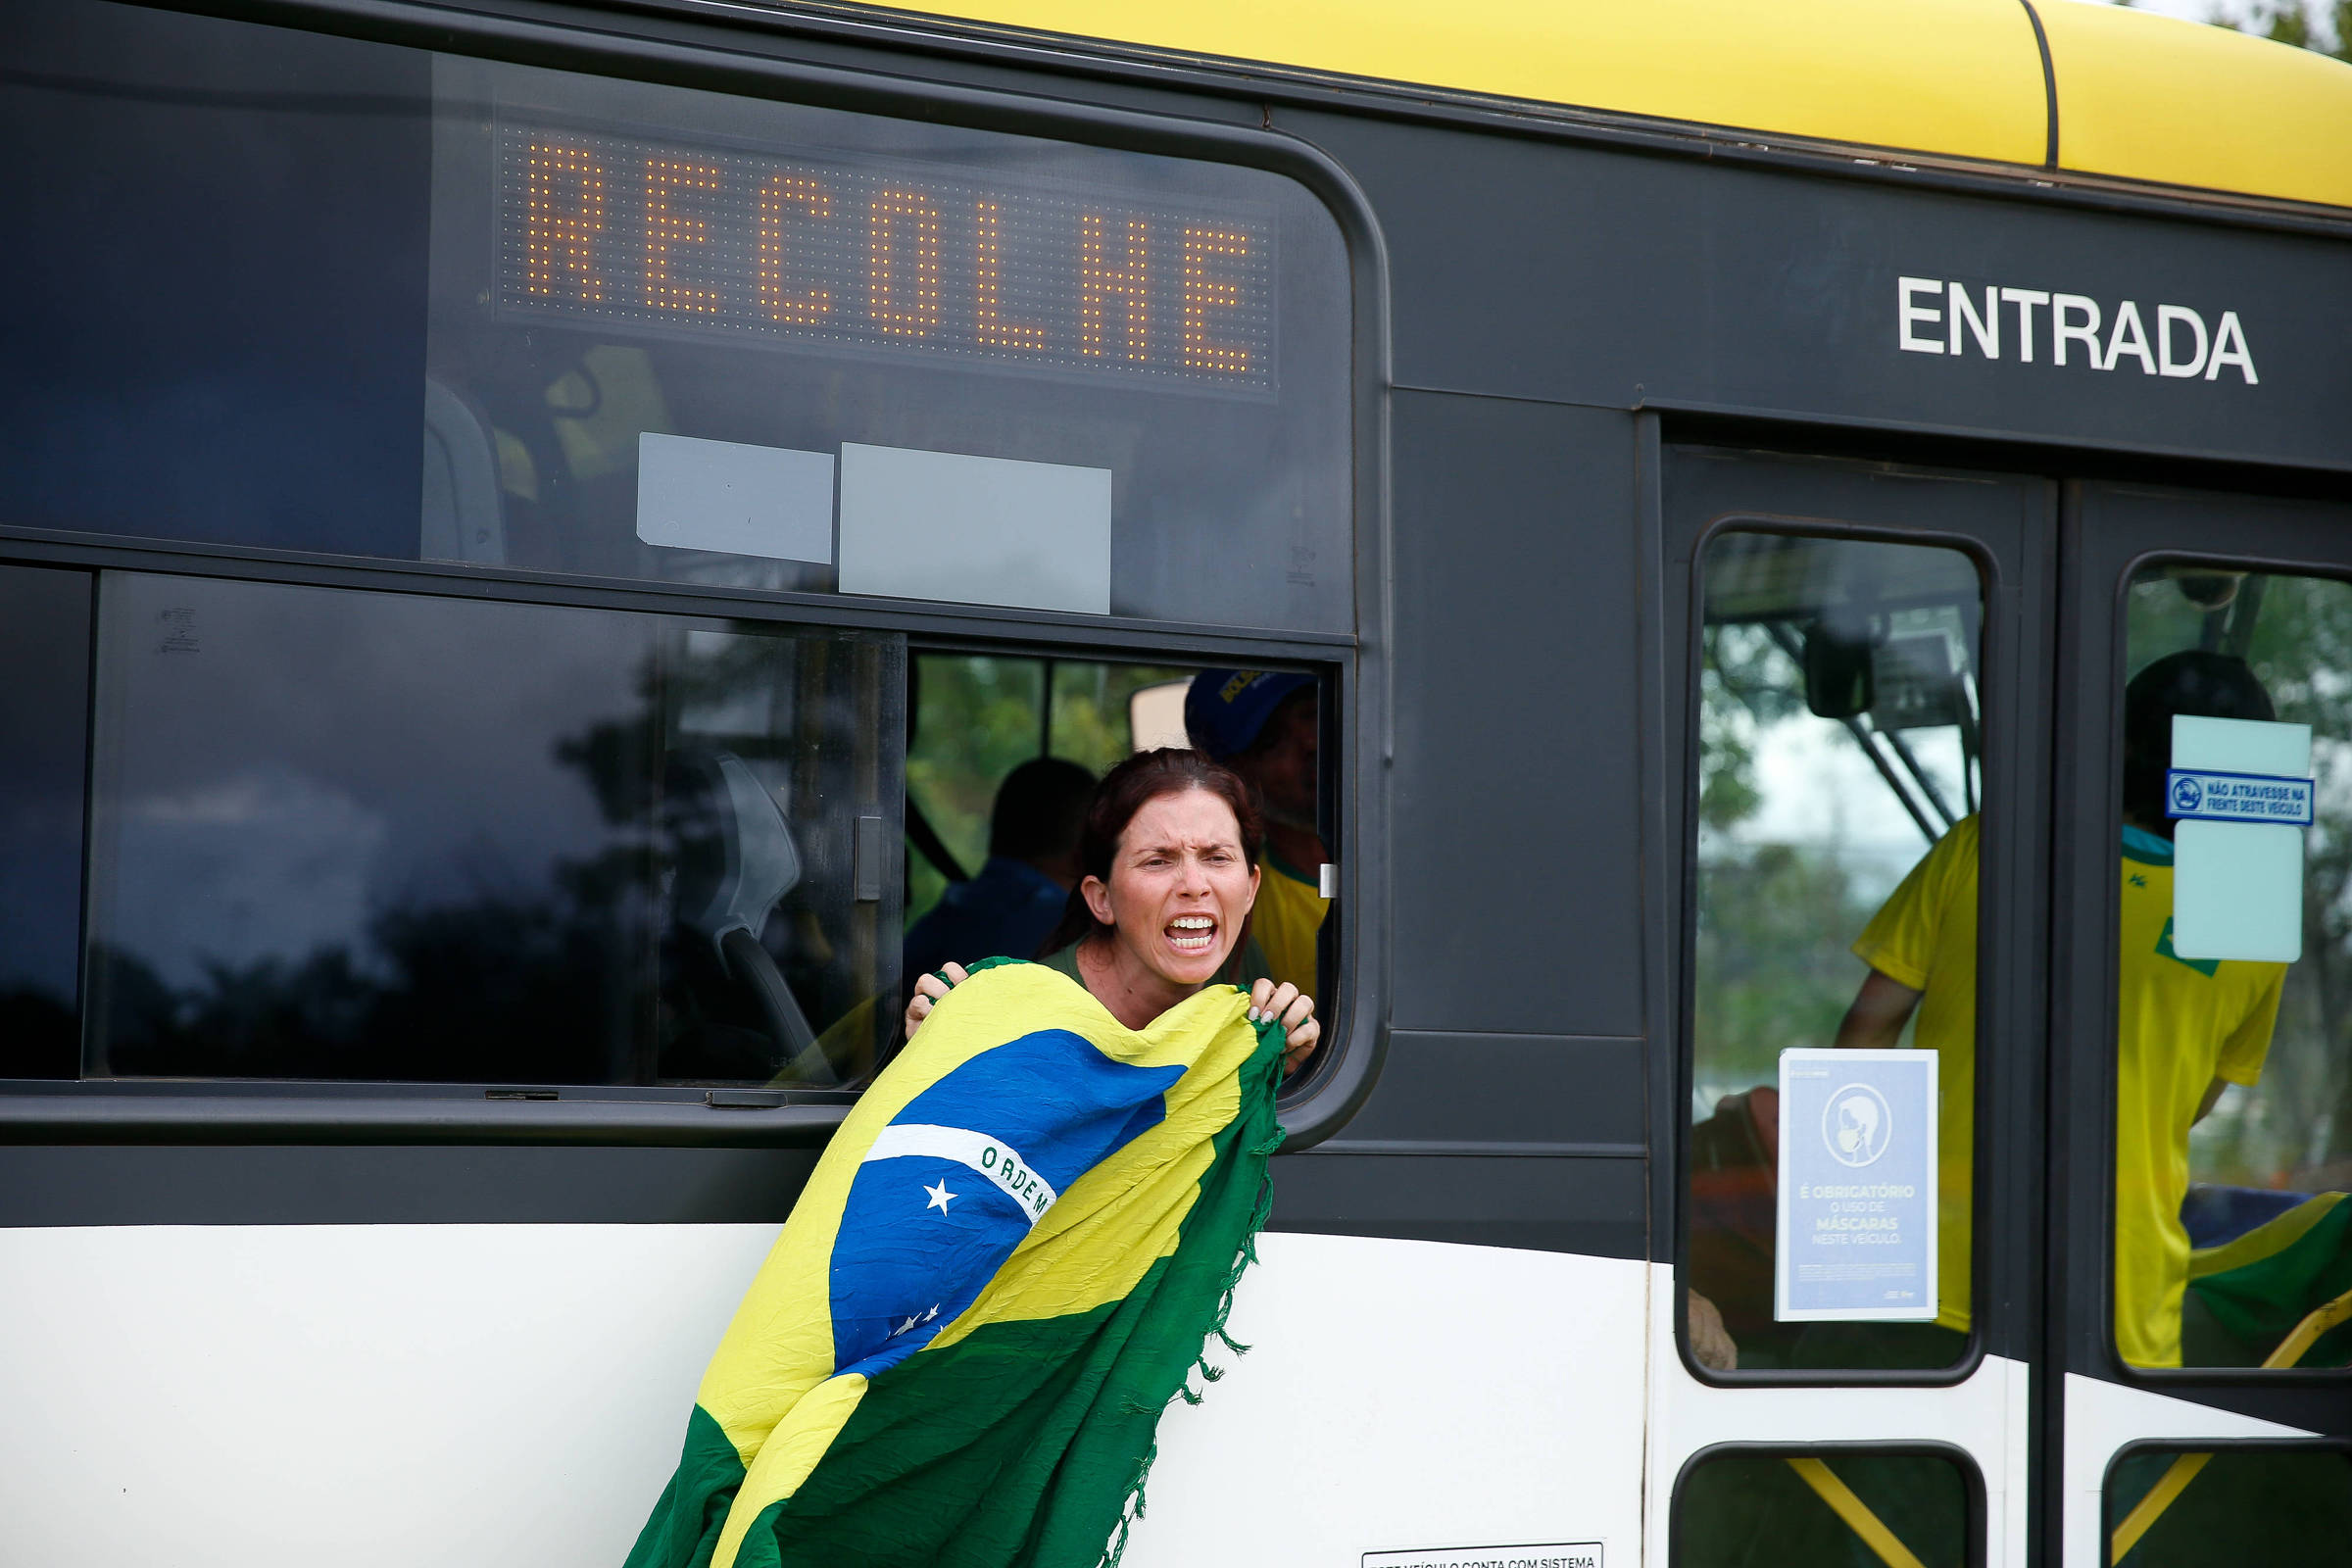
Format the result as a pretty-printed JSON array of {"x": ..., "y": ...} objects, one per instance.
[
  {"x": 2238, "y": 879},
  {"x": 743, "y": 500},
  {"x": 1569, "y": 1555},
  {"x": 972, "y": 530},
  {"x": 1856, "y": 1237}
]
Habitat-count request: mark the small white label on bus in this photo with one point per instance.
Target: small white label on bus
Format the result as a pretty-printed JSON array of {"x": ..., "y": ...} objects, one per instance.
[{"x": 1570, "y": 1555}]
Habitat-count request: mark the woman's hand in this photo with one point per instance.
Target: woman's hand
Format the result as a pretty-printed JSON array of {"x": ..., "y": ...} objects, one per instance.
[
  {"x": 1300, "y": 1027},
  {"x": 928, "y": 990}
]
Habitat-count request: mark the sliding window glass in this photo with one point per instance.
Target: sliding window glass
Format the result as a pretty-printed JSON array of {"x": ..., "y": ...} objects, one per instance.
[
  {"x": 2282, "y": 1505},
  {"x": 1834, "y": 958},
  {"x": 2233, "y": 1243},
  {"x": 1851, "y": 1507},
  {"x": 44, "y": 738},
  {"x": 354, "y": 835}
]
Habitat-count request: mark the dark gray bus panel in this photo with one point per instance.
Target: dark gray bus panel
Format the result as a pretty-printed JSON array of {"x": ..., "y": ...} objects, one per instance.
[{"x": 531, "y": 539}]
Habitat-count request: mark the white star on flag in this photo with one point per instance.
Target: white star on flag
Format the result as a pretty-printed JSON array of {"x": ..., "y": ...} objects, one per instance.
[{"x": 941, "y": 1197}]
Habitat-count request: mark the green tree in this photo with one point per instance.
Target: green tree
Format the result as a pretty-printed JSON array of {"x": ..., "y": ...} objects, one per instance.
[
  {"x": 1772, "y": 968},
  {"x": 2324, "y": 26}
]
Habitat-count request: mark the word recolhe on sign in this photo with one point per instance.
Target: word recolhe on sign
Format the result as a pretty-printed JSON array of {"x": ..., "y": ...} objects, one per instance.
[
  {"x": 884, "y": 256},
  {"x": 1933, "y": 316}
]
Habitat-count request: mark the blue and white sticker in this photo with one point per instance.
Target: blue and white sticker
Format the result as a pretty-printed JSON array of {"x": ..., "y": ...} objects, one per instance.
[
  {"x": 1854, "y": 1238},
  {"x": 2195, "y": 795}
]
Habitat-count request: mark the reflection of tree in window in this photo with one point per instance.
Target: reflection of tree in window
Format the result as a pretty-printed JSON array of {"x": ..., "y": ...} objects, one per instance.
[
  {"x": 1764, "y": 909},
  {"x": 581, "y": 974}
]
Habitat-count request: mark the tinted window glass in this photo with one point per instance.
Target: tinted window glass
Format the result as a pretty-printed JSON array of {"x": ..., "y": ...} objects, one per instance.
[
  {"x": 2234, "y": 1049},
  {"x": 355, "y": 835},
  {"x": 1761, "y": 1510},
  {"x": 307, "y": 292},
  {"x": 1837, "y": 903},
  {"x": 2281, "y": 1506},
  {"x": 44, "y": 719}
]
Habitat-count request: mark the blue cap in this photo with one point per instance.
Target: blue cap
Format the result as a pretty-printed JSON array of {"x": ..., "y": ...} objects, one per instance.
[{"x": 1226, "y": 707}]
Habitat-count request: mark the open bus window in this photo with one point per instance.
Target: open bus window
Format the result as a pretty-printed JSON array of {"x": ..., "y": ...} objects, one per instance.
[
  {"x": 419, "y": 306},
  {"x": 1757, "y": 1508},
  {"x": 2284, "y": 1505},
  {"x": 2233, "y": 1241},
  {"x": 44, "y": 735},
  {"x": 1001, "y": 760},
  {"x": 1839, "y": 777},
  {"x": 347, "y": 835}
]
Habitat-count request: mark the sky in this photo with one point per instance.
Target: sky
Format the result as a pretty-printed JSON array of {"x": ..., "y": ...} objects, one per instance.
[
  {"x": 2203, "y": 9},
  {"x": 2193, "y": 10}
]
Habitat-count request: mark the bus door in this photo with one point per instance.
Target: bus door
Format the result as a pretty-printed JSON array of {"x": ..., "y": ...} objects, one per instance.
[
  {"x": 1844, "y": 1331},
  {"x": 2200, "y": 1269}
]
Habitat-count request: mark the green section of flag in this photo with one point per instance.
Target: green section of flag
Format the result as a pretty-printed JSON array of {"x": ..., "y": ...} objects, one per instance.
[
  {"x": 685, "y": 1524},
  {"x": 2254, "y": 1290}
]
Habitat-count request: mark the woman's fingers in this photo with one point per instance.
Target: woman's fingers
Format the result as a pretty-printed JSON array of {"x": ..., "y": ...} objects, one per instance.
[
  {"x": 1270, "y": 1000},
  {"x": 1297, "y": 1012},
  {"x": 928, "y": 990},
  {"x": 1300, "y": 1044}
]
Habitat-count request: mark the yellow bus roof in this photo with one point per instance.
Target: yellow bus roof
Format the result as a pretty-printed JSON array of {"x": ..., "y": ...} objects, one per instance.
[{"x": 2139, "y": 96}]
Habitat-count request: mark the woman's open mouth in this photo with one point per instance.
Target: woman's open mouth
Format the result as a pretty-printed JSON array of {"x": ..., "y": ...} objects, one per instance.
[{"x": 1192, "y": 933}]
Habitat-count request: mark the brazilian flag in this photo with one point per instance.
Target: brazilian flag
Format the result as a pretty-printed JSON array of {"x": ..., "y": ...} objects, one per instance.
[{"x": 1002, "y": 1270}]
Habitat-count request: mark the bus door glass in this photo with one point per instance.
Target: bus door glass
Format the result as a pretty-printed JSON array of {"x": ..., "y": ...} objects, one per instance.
[
  {"x": 1851, "y": 775},
  {"x": 2222, "y": 1280}
]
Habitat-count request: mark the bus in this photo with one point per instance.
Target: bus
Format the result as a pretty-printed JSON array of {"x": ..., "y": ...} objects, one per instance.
[{"x": 1819, "y": 538}]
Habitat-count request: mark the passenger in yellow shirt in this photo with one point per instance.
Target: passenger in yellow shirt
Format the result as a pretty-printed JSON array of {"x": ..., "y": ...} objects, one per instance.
[
  {"x": 1263, "y": 726},
  {"x": 2185, "y": 1028}
]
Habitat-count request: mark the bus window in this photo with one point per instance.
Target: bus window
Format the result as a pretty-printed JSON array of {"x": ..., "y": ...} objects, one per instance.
[
  {"x": 416, "y": 306},
  {"x": 2233, "y": 1074},
  {"x": 348, "y": 835},
  {"x": 44, "y": 709},
  {"x": 1837, "y": 757},
  {"x": 2282, "y": 1505},
  {"x": 1757, "y": 1508},
  {"x": 1000, "y": 760}
]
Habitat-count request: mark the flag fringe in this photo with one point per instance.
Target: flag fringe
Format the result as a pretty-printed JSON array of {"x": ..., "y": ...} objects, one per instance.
[{"x": 1244, "y": 1255}]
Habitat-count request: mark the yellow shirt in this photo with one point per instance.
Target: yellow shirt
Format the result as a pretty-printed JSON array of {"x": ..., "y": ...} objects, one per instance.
[
  {"x": 2180, "y": 1024},
  {"x": 1286, "y": 919},
  {"x": 1925, "y": 937}
]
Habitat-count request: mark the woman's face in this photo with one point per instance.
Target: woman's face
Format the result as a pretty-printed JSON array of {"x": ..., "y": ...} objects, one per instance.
[{"x": 1179, "y": 887}]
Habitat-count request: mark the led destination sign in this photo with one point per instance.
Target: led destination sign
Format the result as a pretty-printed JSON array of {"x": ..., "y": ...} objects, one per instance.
[{"x": 882, "y": 255}]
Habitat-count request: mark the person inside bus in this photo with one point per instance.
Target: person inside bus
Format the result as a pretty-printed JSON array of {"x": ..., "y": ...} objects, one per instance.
[
  {"x": 1171, "y": 872},
  {"x": 2185, "y": 1028},
  {"x": 1014, "y": 904},
  {"x": 1263, "y": 726}
]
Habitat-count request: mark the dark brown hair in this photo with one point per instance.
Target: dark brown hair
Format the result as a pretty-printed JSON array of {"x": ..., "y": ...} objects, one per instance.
[{"x": 1124, "y": 791}]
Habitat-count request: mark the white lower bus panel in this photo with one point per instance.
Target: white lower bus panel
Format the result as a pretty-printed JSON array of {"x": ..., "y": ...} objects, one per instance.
[{"x": 497, "y": 1394}]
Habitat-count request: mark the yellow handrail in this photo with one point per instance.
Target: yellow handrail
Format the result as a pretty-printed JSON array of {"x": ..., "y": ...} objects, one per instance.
[
  {"x": 1856, "y": 1514},
  {"x": 2183, "y": 1469}
]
